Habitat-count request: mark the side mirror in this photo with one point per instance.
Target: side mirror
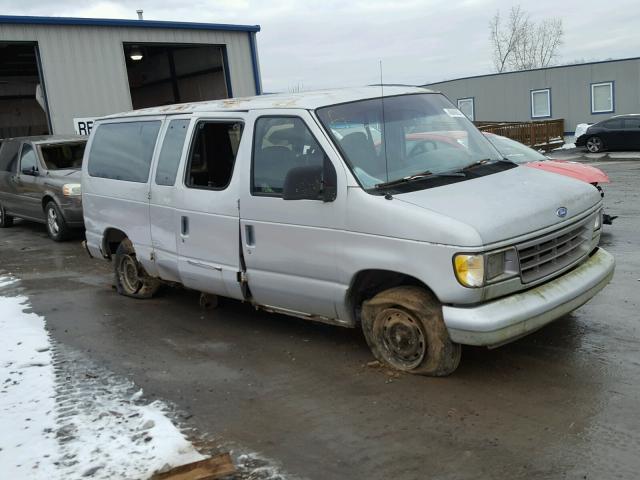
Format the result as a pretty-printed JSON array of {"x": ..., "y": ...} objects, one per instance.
[
  {"x": 32, "y": 171},
  {"x": 317, "y": 182}
]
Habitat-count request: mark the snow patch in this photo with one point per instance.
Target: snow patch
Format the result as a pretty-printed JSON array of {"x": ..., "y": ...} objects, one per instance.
[
  {"x": 581, "y": 128},
  {"x": 28, "y": 448},
  {"x": 62, "y": 416},
  {"x": 60, "y": 419},
  {"x": 566, "y": 146}
]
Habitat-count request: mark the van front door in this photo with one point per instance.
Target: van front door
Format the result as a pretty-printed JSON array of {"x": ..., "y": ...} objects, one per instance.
[
  {"x": 290, "y": 246},
  {"x": 207, "y": 212}
]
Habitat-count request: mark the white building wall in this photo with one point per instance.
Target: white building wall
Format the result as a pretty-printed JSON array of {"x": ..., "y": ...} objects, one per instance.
[{"x": 84, "y": 66}]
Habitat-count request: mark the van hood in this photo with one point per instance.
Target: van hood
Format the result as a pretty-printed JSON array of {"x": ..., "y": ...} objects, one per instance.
[{"x": 508, "y": 204}]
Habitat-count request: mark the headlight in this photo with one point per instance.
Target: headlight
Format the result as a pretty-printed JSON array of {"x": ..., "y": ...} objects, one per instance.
[
  {"x": 476, "y": 270},
  {"x": 71, "y": 189},
  {"x": 469, "y": 269},
  {"x": 598, "y": 221}
]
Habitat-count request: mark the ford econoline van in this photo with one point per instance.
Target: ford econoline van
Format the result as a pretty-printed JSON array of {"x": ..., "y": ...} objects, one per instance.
[{"x": 379, "y": 207}]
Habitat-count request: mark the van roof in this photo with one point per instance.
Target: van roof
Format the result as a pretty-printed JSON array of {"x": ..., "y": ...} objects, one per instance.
[
  {"x": 48, "y": 139},
  {"x": 305, "y": 100}
]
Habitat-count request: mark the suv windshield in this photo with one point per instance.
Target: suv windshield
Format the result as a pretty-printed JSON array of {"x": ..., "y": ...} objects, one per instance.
[
  {"x": 405, "y": 137},
  {"x": 61, "y": 156}
]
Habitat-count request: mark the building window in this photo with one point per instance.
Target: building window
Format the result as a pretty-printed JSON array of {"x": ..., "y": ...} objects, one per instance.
[
  {"x": 541, "y": 103},
  {"x": 466, "y": 106},
  {"x": 602, "y": 97}
]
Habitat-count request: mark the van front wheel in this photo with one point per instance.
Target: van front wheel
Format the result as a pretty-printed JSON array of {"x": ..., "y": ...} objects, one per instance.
[
  {"x": 405, "y": 330},
  {"x": 131, "y": 278}
]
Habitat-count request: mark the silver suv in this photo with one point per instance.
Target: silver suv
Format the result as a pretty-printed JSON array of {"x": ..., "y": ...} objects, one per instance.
[
  {"x": 348, "y": 207},
  {"x": 40, "y": 182}
]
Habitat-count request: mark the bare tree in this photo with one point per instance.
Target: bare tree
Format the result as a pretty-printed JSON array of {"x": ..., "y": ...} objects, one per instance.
[
  {"x": 521, "y": 44},
  {"x": 505, "y": 38}
]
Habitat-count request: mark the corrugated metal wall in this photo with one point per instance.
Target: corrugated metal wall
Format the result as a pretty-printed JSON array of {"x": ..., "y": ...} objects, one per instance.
[
  {"x": 507, "y": 97},
  {"x": 84, "y": 67}
]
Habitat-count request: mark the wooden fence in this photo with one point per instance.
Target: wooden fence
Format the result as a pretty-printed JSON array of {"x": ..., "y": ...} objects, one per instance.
[{"x": 542, "y": 135}]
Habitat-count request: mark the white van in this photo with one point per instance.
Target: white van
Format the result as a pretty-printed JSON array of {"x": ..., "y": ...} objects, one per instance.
[{"x": 353, "y": 207}]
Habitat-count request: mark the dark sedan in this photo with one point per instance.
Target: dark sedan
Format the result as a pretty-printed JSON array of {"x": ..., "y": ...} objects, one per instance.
[{"x": 621, "y": 132}]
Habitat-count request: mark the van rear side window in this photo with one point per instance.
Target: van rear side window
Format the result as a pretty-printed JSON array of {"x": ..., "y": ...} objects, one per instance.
[
  {"x": 171, "y": 151},
  {"x": 123, "y": 151}
]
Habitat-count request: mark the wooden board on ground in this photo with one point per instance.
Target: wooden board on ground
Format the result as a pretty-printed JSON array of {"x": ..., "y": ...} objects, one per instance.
[{"x": 212, "y": 468}]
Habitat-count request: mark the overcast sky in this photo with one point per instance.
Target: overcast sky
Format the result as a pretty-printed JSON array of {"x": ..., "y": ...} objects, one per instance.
[{"x": 333, "y": 43}]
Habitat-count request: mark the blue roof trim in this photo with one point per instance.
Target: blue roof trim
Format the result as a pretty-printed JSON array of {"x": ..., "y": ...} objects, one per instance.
[
  {"x": 112, "y": 22},
  {"x": 254, "y": 60},
  {"x": 516, "y": 72}
]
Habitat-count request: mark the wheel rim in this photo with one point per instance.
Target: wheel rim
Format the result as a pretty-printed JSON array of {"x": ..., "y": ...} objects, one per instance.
[
  {"x": 402, "y": 338},
  {"x": 594, "y": 144},
  {"x": 128, "y": 273},
  {"x": 52, "y": 221}
]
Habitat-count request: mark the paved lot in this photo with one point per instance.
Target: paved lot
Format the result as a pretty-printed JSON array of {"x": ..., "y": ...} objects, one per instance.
[{"x": 561, "y": 403}]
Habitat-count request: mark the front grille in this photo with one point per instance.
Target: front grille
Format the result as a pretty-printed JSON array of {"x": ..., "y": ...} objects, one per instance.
[{"x": 546, "y": 255}]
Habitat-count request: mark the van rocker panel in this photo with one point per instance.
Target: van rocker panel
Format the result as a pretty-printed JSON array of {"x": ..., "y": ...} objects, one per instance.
[{"x": 509, "y": 318}]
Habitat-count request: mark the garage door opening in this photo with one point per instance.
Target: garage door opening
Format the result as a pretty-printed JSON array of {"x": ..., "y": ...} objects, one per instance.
[
  {"x": 23, "y": 106},
  {"x": 166, "y": 74}
]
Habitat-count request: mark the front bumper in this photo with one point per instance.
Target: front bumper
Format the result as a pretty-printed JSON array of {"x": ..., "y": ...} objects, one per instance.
[
  {"x": 72, "y": 212},
  {"x": 504, "y": 320}
]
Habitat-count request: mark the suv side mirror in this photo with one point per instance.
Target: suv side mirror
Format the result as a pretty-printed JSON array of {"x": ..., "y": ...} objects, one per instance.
[
  {"x": 33, "y": 171},
  {"x": 317, "y": 182}
]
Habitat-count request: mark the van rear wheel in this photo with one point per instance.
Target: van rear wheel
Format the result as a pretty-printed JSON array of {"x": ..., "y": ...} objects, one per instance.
[
  {"x": 5, "y": 220},
  {"x": 405, "y": 330},
  {"x": 130, "y": 276}
]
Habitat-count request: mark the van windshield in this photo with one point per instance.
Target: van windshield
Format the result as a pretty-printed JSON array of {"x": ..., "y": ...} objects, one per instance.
[{"x": 406, "y": 137}]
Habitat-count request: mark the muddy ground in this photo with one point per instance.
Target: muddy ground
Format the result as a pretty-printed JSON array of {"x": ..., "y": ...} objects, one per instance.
[{"x": 561, "y": 403}]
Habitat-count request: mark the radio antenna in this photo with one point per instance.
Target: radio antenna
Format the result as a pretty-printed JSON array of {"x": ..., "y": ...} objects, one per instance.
[{"x": 383, "y": 126}]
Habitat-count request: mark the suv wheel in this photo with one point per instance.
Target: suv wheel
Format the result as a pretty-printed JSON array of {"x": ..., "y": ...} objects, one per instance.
[
  {"x": 594, "y": 144},
  {"x": 405, "y": 330},
  {"x": 5, "y": 220},
  {"x": 56, "y": 226},
  {"x": 131, "y": 278}
]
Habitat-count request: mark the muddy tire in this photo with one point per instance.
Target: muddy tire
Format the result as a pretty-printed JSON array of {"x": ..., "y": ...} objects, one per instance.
[
  {"x": 405, "y": 330},
  {"x": 6, "y": 221},
  {"x": 594, "y": 144},
  {"x": 57, "y": 228},
  {"x": 131, "y": 279}
]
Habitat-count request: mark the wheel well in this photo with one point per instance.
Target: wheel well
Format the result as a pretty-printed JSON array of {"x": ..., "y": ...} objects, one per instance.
[
  {"x": 110, "y": 241},
  {"x": 368, "y": 283},
  {"x": 46, "y": 199}
]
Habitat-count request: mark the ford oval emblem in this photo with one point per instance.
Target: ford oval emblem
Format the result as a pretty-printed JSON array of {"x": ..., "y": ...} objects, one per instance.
[{"x": 561, "y": 212}]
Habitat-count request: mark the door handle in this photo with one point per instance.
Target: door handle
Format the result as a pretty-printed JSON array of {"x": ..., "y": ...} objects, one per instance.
[
  {"x": 184, "y": 226},
  {"x": 249, "y": 236}
]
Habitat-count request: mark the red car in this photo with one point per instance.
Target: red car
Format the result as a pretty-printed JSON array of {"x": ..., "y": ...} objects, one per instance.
[{"x": 519, "y": 153}]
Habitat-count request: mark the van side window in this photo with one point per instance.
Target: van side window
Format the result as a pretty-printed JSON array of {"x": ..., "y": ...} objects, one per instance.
[
  {"x": 213, "y": 154},
  {"x": 123, "y": 151},
  {"x": 170, "y": 154},
  {"x": 280, "y": 144},
  {"x": 28, "y": 159},
  {"x": 9, "y": 156}
]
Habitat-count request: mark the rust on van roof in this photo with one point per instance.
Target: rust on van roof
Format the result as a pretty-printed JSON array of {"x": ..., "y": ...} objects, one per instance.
[{"x": 302, "y": 100}]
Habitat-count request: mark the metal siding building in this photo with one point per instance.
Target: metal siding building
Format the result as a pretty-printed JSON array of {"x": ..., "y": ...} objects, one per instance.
[
  {"x": 82, "y": 64},
  {"x": 508, "y": 96}
]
